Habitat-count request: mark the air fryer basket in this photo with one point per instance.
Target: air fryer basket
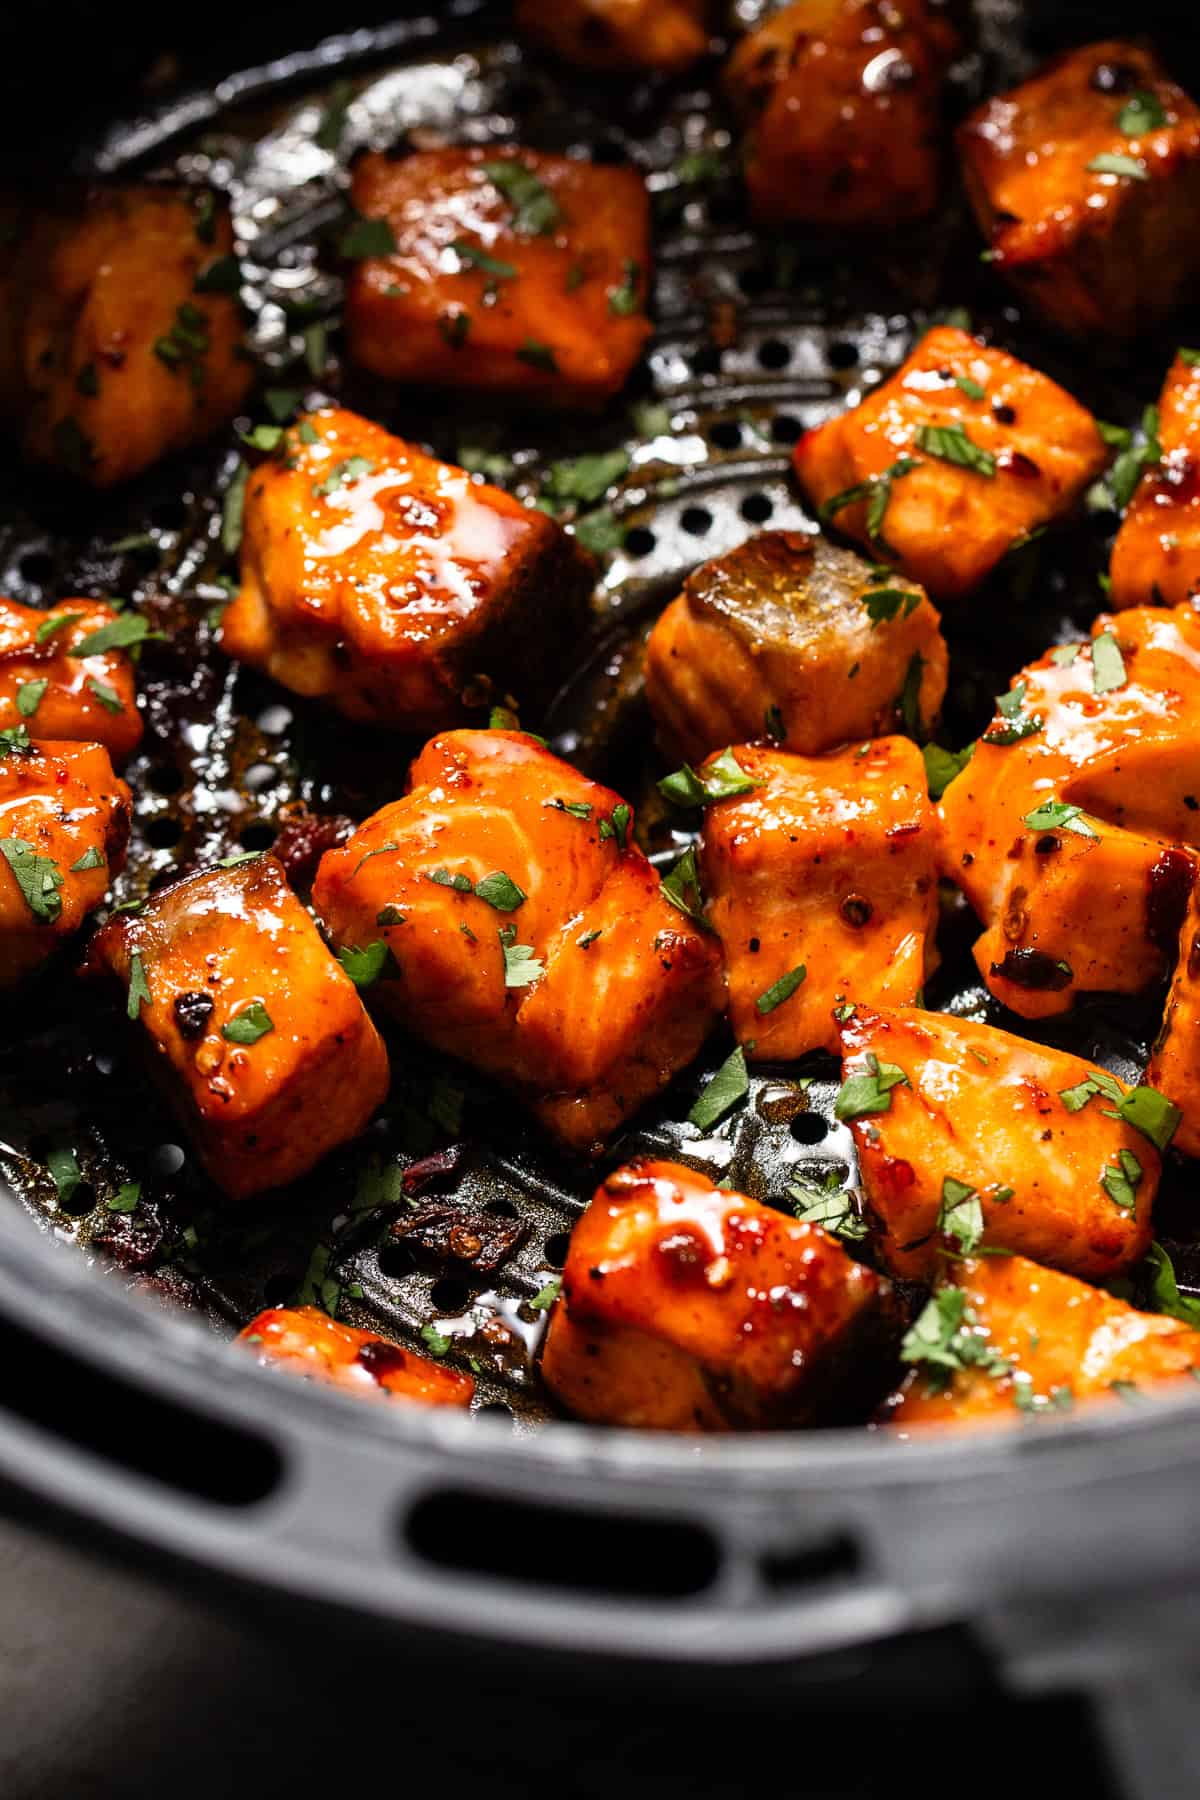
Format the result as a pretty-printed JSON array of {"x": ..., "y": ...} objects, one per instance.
[{"x": 120, "y": 1411}]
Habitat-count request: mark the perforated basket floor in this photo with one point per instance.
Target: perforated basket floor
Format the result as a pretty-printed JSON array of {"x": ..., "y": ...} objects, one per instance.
[{"x": 758, "y": 338}]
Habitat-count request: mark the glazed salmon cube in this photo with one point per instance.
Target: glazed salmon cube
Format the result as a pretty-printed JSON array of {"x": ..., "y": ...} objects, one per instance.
[
  {"x": 662, "y": 35},
  {"x": 1066, "y": 829},
  {"x": 311, "y": 1344},
  {"x": 59, "y": 680},
  {"x": 512, "y": 270},
  {"x": 688, "y": 1307},
  {"x": 394, "y": 586},
  {"x": 967, "y": 1135},
  {"x": 64, "y": 825},
  {"x": 528, "y": 934},
  {"x": 842, "y": 104},
  {"x": 1003, "y": 1338},
  {"x": 255, "y": 1032},
  {"x": 1086, "y": 184},
  {"x": 1156, "y": 558},
  {"x": 822, "y": 887},
  {"x": 1174, "y": 1068},
  {"x": 953, "y": 462},
  {"x": 792, "y": 639},
  {"x": 124, "y": 339}
]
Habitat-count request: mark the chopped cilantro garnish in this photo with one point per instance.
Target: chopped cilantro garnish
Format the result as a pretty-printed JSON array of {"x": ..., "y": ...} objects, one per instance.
[
  {"x": 942, "y": 766},
  {"x": 876, "y": 492},
  {"x": 38, "y": 877},
  {"x": 246, "y": 1027},
  {"x": 723, "y": 779},
  {"x": 883, "y": 604},
  {"x": 1165, "y": 1289},
  {"x": 960, "y": 1215},
  {"x": 491, "y": 265},
  {"x": 869, "y": 1090},
  {"x": 108, "y": 697},
  {"x": 233, "y": 509},
  {"x": 950, "y": 443},
  {"x": 1108, "y": 665},
  {"x": 1113, "y": 163},
  {"x": 1120, "y": 1182},
  {"x": 350, "y": 469},
  {"x": 364, "y": 966},
  {"x": 139, "y": 987},
  {"x": 585, "y": 479},
  {"x": 625, "y": 299},
  {"x": 365, "y": 237},
  {"x": 617, "y": 827},
  {"x": 521, "y": 966},
  {"x": 538, "y": 356},
  {"x": 544, "y": 1299},
  {"x": 780, "y": 990},
  {"x": 535, "y": 210},
  {"x": 682, "y": 887},
  {"x": 29, "y": 696},
  {"x": 828, "y": 1205},
  {"x": 729, "y": 1085},
  {"x": 1056, "y": 815},
  {"x": 500, "y": 891},
  {"x": 126, "y": 1198},
  {"x": 118, "y": 634}
]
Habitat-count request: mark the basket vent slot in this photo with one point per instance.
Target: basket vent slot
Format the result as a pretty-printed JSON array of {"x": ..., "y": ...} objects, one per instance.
[{"x": 589, "y": 1552}]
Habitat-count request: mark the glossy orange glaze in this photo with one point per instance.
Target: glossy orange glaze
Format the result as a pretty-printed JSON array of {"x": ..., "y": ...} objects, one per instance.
[
  {"x": 688, "y": 1307},
  {"x": 665, "y": 35},
  {"x": 843, "y": 102},
  {"x": 1096, "y": 251},
  {"x": 949, "y": 526},
  {"x": 831, "y": 864},
  {"x": 630, "y": 986},
  {"x": 1175, "y": 1059},
  {"x": 1061, "y": 1341},
  {"x": 983, "y": 1107},
  {"x": 310, "y": 1343},
  {"x": 774, "y": 637},
  {"x": 1156, "y": 558},
  {"x": 91, "y": 699},
  {"x": 1067, "y": 913},
  {"x": 390, "y": 584},
  {"x": 62, "y": 801},
  {"x": 85, "y": 298},
  {"x": 213, "y": 948},
  {"x": 547, "y": 331}
]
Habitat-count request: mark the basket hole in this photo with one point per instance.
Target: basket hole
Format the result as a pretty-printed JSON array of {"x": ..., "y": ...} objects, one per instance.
[
  {"x": 812, "y": 1563},
  {"x": 278, "y": 1289},
  {"x": 706, "y": 360},
  {"x": 496, "y": 1409},
  {"x": 501, "y": 1209},
  {"x": 37, "y": 567},
  {"x": 756, "y": 509},
  {"x": 653, "y": 1558},
  {"x": 774, "y": 354},
  {"x": 163, "y": 778},
  {"x": 449, "y": 1295},
  {"x": 259, "y": 836},
  {"x": 395, "y": 1261},
  {"x": 609, "y": 151},
  {"x": 163, "y": 833},
  {"x": 785, "y": 429},
  {"x": 843, "y": 355},
  {"x": 556, "y": 1247},
  {"x": 696, "y": 520},
  {"x": 80, "y": 1202},
  {"x": 809, "y": 1128},
  {"x": 169, "y": 515},
  {"x": 639, "y": 541},
  {"x": 726, "y": 435},
  {"x": 755, "y": 280}
]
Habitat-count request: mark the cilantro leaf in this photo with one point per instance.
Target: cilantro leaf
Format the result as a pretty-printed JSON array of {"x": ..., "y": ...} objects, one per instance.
[
  {"x": 1056, "y": 815},
  {"x": 1165, "y": 1289},
  {"x": 29, "y": 696},
  {"x": 869, "y": 1090},
  {"x": 38, "y": 877},
  {"x": 729, "y": 1085},
  {"x": 246, "y": 1027},
  {"x": 780, "y": 990},
  {"x": 365, "y": 237},
  {"x": 119, "y": 634},
  {"x": 950, "y": 443},
  {"x": 1112, "y": 163},
  {"x": 500, "y": 891},
  {"x": 535, "y": 210},
  {"x": 943, "y": 766},
  {"x": 723, "y": 779},
  {"x": 1108, "y": 665},
  {"x": 521, "y": 966},
  {"x": 364, "y": 966},
  {"x": 139, "y": 988},
  {"x": 960, "y": 1215}
]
